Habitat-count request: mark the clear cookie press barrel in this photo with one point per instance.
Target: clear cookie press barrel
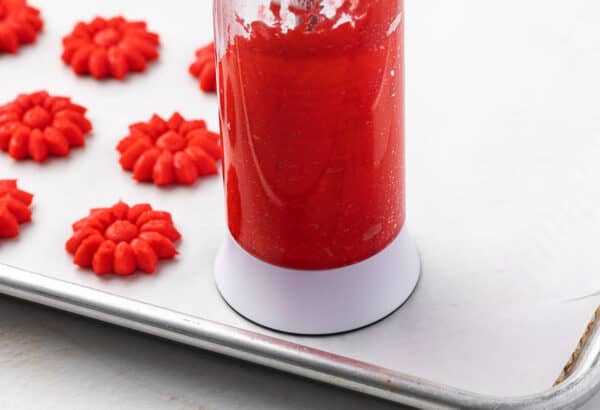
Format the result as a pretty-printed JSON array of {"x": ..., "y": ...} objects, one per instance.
[{"x": 312, "y": 116}]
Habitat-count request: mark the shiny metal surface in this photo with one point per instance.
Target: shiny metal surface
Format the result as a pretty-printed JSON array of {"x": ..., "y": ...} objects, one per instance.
[{"x": 581, "y": 380}]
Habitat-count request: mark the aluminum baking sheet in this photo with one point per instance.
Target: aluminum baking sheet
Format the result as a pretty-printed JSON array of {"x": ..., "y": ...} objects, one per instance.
[{"x": 502, "y": 194}]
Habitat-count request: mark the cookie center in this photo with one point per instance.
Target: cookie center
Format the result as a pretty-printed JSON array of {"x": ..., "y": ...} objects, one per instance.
[
  {"x": 171, "y": 141},
  {"x": 37, "y": 117},
  {"x": 107, "y": 37},
  {"x": 121, "y": 231}
]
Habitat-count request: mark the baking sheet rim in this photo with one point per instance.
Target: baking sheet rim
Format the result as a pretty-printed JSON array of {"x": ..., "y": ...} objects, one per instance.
[{"x": 580, "y": 382}]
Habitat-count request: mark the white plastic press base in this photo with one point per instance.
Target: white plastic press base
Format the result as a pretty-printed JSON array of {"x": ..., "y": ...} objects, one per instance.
[{"x": 318, "y": 302}]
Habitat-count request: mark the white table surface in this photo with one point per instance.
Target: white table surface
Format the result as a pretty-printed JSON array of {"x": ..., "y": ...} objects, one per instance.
[
  {"x": 54, "y": 361},
  {"x": 51, "y": 359}
]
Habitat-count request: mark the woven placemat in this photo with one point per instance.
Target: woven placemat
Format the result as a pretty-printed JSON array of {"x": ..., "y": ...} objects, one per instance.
[{"x": 570, "y": 366}]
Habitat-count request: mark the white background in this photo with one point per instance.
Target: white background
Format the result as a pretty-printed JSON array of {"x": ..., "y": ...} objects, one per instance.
[{"x": 503, "y": 144}]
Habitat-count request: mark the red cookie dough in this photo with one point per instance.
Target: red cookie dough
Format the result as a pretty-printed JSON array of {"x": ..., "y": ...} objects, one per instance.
[
  {"x": 203, "y": 68},
  {"x": 19, "y": 24},
  {"x": 39, "y": 125},
  {"x": 123, "y": 239},
  {"x": 173, "y": 151},
  {"x": 110, "y": 47},
  {"x": 14, "y": 208}
]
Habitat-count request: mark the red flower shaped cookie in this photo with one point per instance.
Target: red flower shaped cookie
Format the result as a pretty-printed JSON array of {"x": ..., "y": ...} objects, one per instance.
[
  {"x": 203, "y": 68},
  {"x": 110, "y": 47},
  {"x": 123, "y": 239},
  {"x": 39, "y": 125},
  {"x": 19, "y": 24},
  {"x": 14, "y": 208},
  {"x": 169, "y": 152}
]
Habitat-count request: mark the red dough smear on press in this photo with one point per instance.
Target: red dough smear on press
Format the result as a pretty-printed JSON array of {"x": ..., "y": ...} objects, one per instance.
[
  {"x": 19, "y": 24},
  {"x": 123, "y": 239},
  {"x": 173, "y": 151},
  {"x": 110, "y": 47},
  {"x": 203, "y": 68},
  {"x": 14, "y": 208},
  {"x": 38, "y": 125}
]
